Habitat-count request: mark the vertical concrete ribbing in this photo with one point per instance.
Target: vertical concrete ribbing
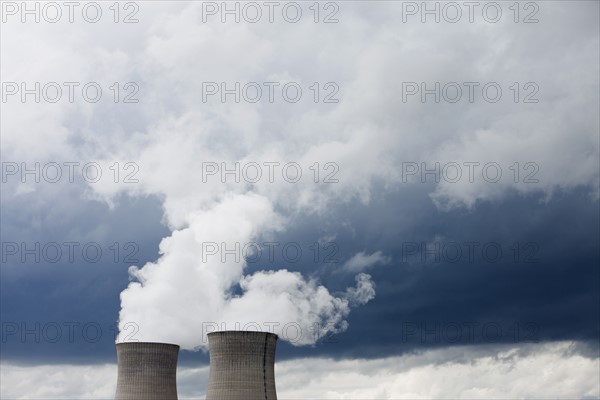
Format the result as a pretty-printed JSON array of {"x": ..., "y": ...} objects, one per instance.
[
  {"x": 147, "y": 371},
  {"x": 242, "y": 366}
]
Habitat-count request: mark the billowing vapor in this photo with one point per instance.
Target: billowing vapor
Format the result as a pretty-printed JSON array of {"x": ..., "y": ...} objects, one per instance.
[{"x": 184, "y": 294}]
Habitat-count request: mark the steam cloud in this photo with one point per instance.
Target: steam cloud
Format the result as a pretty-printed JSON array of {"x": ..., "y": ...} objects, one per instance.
[{"x": 180, "y": 298}]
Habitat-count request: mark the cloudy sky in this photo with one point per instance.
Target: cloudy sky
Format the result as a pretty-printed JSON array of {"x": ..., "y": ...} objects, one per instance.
[{"x": 407, "y": 193}]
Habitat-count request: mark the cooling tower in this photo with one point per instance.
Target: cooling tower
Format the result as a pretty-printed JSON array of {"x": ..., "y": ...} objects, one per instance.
[
  {"x": 147, "y": 371},
  {"x": 242, "y": 366}
]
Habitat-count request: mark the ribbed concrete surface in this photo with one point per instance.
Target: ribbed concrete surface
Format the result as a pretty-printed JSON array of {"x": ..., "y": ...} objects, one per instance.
[
  {"x": 242, "y": 366},
  {"x": 147, "y": 371}
]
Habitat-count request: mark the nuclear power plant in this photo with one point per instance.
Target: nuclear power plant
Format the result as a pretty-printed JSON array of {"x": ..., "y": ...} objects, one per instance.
[
  {"x": 242, "y": 367},
  {"x": 147, "y": 371}
]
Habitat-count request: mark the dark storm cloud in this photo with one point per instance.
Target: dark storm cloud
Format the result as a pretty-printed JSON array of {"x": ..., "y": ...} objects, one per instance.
[
  {"x": 546, "y": 291},
  {"x": 67, "y": 310},
  {"x": 549, "y": 292},
  {"x": 419, "y": 304}
]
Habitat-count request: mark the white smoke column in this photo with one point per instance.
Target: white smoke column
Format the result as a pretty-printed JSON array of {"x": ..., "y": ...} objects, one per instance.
[{"x": 181, "y": 297}]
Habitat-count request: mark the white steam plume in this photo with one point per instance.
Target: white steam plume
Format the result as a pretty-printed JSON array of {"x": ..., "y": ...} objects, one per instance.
[{"x": 185, "y": 294}]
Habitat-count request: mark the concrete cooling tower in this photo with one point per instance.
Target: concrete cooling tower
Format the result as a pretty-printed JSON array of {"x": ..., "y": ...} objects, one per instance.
[
  {"x": 147, "y": 371},
  {"x": 242, "y": 366}
]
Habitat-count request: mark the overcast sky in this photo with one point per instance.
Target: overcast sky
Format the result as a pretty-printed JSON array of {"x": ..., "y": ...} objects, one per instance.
[{"x": 406, "y": 193}]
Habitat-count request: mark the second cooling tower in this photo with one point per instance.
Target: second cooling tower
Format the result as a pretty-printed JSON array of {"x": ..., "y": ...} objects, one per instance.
[{"x": 242, "y": 366}]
